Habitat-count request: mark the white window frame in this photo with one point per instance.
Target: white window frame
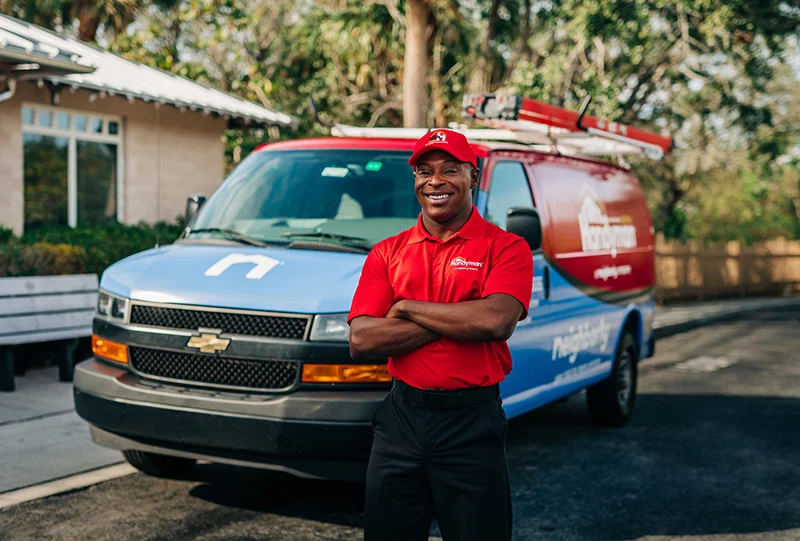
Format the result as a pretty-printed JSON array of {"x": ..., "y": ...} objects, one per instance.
[{"x": 73, "y": 136}]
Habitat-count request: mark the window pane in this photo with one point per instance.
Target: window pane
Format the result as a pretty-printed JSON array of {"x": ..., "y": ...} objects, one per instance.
[
  {"x": 509, "y": 189},
  {"x": 97, "y": 182},
  {"x": 45, "y": 174},
  {"x": 45, "y": 119},
  {"x": 27, "y": 116},
  {"x": 62, "y": 121},
  {"x": 97, "y": 125},
  {"x": 80, "y": 123},
  {"x": 113, "y": 128}
]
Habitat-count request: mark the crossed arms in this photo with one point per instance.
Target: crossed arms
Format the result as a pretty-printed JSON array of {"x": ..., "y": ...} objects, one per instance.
[{"x": 411, "y": 324}]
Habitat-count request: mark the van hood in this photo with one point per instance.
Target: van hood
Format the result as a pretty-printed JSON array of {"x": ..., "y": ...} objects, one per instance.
[{"x": 254, "y": 278}]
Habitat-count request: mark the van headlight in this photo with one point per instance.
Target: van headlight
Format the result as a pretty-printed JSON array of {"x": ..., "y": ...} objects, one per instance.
[
  {"x": 330, "y": 328},
  {"x": 111, "y": 306}
]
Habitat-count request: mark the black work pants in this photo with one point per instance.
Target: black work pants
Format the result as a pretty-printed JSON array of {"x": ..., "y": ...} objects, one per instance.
[{"x": 433, "y": 461}]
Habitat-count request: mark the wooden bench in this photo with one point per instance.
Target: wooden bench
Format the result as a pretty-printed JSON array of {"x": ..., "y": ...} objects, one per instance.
[{"x": 45, "y": 309}]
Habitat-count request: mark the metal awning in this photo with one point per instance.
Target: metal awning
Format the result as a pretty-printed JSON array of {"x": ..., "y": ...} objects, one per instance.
[
  {"x": 24, "y": 45},
  {"x": 25, "y": 56}
]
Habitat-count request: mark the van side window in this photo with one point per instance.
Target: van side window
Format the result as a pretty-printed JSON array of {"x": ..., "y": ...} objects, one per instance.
[{"x": 509, "y": 188}]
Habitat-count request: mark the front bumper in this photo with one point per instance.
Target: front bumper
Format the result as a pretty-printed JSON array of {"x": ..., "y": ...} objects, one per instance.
[{"x": 313, "y": 433}]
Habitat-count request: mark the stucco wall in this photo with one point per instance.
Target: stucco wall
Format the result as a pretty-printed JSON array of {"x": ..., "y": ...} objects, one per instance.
[
  {"x": 11, "y": 165},
  {"x": 167, "y": 154}
]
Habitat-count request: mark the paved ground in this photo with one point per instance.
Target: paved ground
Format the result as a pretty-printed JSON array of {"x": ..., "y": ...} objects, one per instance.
[{"x": 711, "y": 455}]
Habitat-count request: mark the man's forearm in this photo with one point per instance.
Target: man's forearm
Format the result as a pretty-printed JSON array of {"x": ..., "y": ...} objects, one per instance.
[
  {"x": 483, "y": 320},
  {"x": 379, "y": 338}
]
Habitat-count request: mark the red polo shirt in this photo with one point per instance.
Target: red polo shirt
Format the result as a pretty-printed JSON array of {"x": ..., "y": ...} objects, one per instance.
[{"x": 479, "y": 260}]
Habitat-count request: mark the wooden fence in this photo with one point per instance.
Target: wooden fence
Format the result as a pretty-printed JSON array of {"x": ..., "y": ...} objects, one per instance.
[{"x": 694, "y": 270}]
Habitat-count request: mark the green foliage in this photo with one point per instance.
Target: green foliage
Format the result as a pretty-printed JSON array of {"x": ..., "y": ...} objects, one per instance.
[
  {"x": 6, "y": 235},
  {"x": 713, "y": 74},
  {"x": 80, "y": 250},
  {"x": 39, "y": 259}
]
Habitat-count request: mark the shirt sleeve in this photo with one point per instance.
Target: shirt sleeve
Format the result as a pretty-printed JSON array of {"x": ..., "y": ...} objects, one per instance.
[
  {"x": 374, "y": 294},
  {"x": 512, "y": 273}
]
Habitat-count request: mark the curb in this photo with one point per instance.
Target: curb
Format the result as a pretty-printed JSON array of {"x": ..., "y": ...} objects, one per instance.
[
  {"x": 789, "y": 304},
  {"x": 65, "y": 484}
]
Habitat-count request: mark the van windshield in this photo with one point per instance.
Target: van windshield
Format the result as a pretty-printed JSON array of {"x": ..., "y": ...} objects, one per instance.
[{"x": 357, "y": 196}]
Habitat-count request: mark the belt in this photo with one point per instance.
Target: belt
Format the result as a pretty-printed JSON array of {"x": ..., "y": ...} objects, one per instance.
[{"x": 440, "y": 399}]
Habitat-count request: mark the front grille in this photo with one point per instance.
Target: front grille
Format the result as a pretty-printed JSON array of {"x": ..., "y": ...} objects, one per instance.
[
  {"x": 213, "y": 370},
  {"x": 291, "y": 328}
]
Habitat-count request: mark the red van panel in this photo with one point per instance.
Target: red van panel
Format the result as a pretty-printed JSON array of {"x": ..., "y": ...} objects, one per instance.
[{"x": 598, "y": 229}]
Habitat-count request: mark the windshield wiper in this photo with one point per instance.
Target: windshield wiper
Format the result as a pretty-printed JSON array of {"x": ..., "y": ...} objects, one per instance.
[
  {"x": 231, "y": 234},
  {"x": 332, "y": 236}
]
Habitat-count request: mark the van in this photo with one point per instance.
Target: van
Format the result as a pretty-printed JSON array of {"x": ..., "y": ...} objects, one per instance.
[{"x": 231, "y": 344}]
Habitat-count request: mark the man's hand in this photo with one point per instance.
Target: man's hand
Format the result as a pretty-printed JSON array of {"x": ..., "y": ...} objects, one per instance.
[
  {"x": 382, "y": 337},
  {"x": 396, "y": 311},
  {"x": 485, "y": 320}
]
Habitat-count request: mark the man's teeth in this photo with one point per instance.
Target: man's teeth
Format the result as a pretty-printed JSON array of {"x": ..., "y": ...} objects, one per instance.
[{"x": 439, "y": 196}]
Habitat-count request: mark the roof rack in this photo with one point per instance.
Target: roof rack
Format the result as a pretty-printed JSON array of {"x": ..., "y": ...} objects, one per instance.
[
  {"x": 480, "y": 134},
  {"x": 514, "y": 119},
  {"x": 541, "y": 123}
]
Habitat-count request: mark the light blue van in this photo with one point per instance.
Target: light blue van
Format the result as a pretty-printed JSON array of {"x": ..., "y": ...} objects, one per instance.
[{"x": 230, "y": 345}]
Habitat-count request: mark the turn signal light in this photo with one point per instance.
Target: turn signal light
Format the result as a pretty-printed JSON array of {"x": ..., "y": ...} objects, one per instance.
[
  {"x": 346, "y": 373},
  {"x": 113, "y": 351}
]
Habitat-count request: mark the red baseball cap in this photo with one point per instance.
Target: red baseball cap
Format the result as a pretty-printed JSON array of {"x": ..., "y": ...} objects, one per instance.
[{"x": 452, "y": 142}]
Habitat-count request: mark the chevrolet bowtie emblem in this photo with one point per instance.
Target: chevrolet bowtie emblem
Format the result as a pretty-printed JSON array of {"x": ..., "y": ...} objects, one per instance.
[{"x": 208, "y": 343}]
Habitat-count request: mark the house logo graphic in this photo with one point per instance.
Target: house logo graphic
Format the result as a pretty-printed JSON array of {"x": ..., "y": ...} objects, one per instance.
[
  {"x": 601, "y": 232},
  {"x": 462, "y": 264}
]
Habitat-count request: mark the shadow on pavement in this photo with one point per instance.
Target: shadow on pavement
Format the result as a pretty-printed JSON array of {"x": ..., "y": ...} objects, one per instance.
[
  {"x": 279, "y": 493},
  {"x": 686, "y": 465}
]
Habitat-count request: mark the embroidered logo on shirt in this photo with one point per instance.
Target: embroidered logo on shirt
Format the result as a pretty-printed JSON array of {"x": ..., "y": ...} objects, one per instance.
[{"x": 462, "y": 264}]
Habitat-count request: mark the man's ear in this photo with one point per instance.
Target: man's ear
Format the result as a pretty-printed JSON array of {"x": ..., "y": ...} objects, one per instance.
[{"x": 474, "y": 176}]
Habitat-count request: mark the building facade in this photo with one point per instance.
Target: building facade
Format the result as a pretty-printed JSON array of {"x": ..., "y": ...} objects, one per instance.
[{"x": 124, "y": 142}]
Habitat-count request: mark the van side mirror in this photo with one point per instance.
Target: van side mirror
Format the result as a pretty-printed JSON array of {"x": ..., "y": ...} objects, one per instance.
[
  {"x": 524, "y": 221},
  {"x": 193, "y": 202}
]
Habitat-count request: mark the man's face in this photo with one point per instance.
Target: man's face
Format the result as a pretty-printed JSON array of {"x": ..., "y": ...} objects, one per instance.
[{"x": 443, "y": 185}]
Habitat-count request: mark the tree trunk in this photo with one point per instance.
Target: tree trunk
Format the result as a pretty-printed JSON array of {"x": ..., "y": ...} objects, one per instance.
[
  {"x": 88, "y": 22},
  {"x": 482, "y": 76},
  {"x": 522, "y": 50},
  {"x": 415, "y": 66}
]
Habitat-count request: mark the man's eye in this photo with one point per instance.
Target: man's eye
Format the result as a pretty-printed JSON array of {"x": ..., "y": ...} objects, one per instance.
[{"x": 450, "y": 172}]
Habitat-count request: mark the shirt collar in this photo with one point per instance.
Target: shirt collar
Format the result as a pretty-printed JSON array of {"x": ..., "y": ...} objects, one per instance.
[{"x": 475, "y": 228}]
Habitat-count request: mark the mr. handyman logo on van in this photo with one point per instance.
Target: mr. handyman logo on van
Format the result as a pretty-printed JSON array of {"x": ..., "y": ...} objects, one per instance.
[
  {"x": 601, "y": 232},
  {"x": 462, "y": 264}
]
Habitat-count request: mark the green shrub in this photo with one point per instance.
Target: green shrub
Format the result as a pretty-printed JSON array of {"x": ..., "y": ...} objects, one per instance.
[
  {"x": 86, "y": 249},
  {"x": 6, "y": 235},
  {"x": 17, "y": 259}
]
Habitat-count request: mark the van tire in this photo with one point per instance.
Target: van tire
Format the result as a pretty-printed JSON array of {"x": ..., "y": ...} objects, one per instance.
[
  {"x": 159, "y": 465},
  {"x": 611, "y": 401}
]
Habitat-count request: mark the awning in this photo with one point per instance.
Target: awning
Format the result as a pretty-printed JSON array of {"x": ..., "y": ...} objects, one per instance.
[{"x": 89, "y": 67}]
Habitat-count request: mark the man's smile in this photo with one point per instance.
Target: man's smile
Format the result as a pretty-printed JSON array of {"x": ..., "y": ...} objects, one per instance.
[{"x": 438, "y": 196}]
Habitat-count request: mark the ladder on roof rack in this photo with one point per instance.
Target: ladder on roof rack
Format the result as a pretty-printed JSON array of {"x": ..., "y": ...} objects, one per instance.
[
  {"x": 549, "y": 125},
  {"x": 512, "y": 118},
  {"x": 480, "y": 134}
]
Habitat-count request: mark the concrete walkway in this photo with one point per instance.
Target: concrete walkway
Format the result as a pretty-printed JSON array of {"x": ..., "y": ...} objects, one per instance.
[
  {"x": 41, "y": 436},
  {"x": 43, "y": 439}
]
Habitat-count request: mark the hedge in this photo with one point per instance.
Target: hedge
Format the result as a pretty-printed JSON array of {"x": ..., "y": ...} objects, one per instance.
[{"x": 87, "y": 249}]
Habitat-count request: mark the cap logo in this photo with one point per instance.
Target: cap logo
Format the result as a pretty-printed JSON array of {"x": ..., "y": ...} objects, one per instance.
[{"x": 438, "y": 137}]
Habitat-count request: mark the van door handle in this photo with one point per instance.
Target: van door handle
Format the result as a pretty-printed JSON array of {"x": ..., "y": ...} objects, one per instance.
[{"x": 547, "y": 282}]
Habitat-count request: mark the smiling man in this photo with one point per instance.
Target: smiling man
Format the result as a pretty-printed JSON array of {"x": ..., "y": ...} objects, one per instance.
[{"x": 440, "y": 300}]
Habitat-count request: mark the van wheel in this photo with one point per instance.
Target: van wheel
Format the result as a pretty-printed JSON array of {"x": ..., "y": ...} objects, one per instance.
[
  {"x": 159, "y": 465},
  {"x": 612, "y": 400}
]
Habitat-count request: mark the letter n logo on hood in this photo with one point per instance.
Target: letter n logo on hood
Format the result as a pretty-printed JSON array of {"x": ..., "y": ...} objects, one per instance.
[{"x": 263, "y": 265}]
